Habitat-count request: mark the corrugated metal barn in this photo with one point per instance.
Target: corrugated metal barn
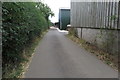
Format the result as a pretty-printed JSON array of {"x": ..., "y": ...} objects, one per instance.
[
  {"x": 64, "y": 18},
  {"x": 97, "y": 23}
]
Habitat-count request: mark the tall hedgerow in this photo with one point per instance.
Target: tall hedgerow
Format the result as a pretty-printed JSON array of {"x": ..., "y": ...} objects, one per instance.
[{"x": 22, "y": 23}]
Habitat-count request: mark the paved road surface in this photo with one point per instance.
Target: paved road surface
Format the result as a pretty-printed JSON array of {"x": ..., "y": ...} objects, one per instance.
[{"x": 58, "y": 57}]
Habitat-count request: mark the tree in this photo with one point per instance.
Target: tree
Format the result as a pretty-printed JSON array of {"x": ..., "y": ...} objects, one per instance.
[{"x": 46, "y": 11}]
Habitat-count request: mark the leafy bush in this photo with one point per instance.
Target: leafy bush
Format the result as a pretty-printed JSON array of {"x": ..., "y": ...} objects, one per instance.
[{"x": 22, "y": 23}]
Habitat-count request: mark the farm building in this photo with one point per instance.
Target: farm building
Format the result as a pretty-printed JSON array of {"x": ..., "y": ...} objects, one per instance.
[
  {"x": 64, "y": 18},
  {"x": 98, "y": 23}
]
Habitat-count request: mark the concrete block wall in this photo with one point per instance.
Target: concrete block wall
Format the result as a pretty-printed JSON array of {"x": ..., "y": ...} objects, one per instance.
[{"x": 104, "y": 39}]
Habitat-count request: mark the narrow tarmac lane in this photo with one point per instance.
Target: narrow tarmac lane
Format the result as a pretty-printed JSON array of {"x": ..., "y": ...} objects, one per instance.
[{"x": 58, "y": 57}]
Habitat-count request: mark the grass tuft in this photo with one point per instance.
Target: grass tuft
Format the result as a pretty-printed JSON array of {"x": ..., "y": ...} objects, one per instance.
[{"x": 102, "y": 55}]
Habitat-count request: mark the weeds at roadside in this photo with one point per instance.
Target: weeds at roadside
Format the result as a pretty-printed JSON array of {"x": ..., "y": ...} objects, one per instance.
[
  {"x": 102, "y": 55},
  {"x": 18, "y": 70}
]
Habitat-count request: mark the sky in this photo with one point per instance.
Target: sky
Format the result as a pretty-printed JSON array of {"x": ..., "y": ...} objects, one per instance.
[{"x": 55, "y": 5}]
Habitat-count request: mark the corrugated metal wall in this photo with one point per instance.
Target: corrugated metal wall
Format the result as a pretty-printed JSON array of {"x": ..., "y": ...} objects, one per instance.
[
  {"x": 64, "y": 18},
  {"x": 95, "y": 14}
]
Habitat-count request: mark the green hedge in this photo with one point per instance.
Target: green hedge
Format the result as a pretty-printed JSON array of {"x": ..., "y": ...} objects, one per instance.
[{"x": 22, "y": 23}]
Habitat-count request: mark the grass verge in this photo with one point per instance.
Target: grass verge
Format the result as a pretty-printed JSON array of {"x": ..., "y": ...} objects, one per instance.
[
  {"x": 102, "y": 55},
  {"x": 31, "y": 51},
  {"x": 18, "y": 70}
]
